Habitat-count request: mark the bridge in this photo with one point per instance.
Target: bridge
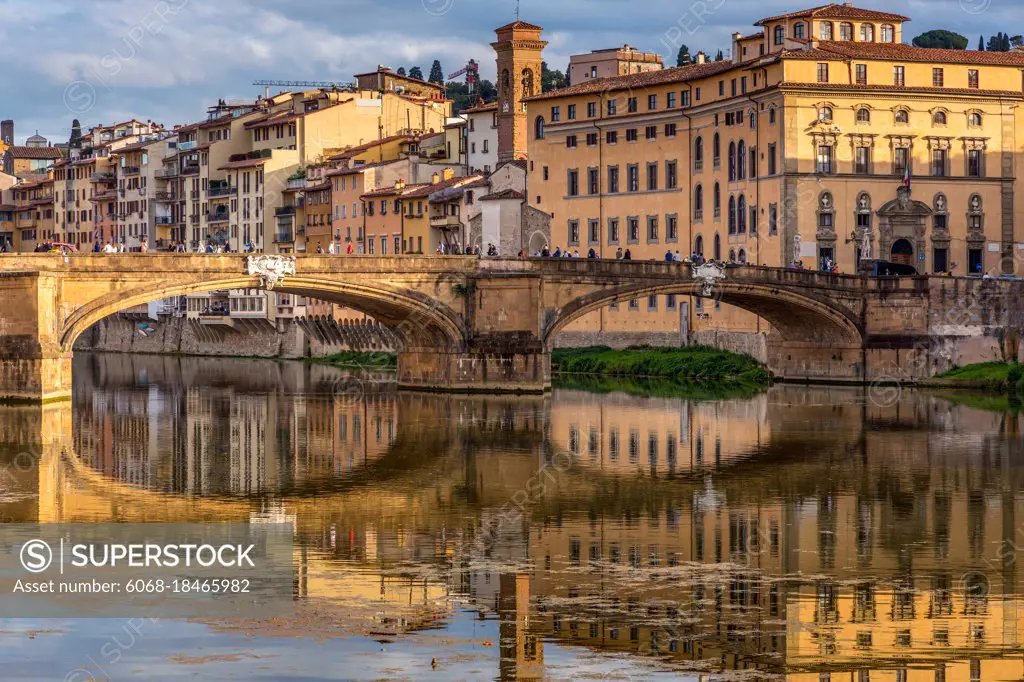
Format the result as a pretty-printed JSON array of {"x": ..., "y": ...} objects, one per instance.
[{"x": 469, "y": 324}]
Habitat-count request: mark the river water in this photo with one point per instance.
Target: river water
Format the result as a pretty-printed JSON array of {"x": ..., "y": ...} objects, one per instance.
[{"x": 807, "y": 534}]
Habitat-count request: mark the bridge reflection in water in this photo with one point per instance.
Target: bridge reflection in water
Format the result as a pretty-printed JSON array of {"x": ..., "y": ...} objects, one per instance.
[{"x": 802, "y": 534}]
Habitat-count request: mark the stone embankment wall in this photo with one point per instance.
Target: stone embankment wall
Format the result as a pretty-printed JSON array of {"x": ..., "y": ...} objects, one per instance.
[{"x": 246, "y": 338}]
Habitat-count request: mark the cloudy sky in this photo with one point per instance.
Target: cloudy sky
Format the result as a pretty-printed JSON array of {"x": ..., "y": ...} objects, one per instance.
[{"x": 110, "y": 60}]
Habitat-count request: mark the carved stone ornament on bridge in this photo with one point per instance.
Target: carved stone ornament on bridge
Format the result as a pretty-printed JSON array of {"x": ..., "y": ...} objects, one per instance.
[
  {"x": 709, "y": 273},
  {"x": 270, "y": 269}
]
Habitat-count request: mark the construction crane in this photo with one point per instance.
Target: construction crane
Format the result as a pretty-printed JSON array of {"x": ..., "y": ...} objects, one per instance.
[
  {"x": 301, "y": 84},
  {"x": 472, "y": 72}
]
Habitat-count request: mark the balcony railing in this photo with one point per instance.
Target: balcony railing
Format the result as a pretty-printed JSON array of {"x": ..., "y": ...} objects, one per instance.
[
  {"x": 284, "y": 237},
  {"x": 218, "y": 217},
  {"x": 130, "y": 170},
  {"x": 190, "y": 170},
  {"x": 221, "y": 191},
  {"x": 164, "y": 220},
  {"x": 165, "y": 173},
  {"x": 284, "y": 210},
  {"x": 101, "y": 177},
  {"x": 445, "y": 222},
  {"x": 166, "y": 196},
  {"x": 299, "y": 183}
]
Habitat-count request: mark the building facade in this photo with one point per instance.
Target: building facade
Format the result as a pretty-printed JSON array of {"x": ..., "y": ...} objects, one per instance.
[{"x": 616, "y": 61}]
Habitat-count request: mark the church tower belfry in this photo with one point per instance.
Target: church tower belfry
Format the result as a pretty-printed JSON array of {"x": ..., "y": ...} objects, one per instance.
[{"x": 518, "y": 50}]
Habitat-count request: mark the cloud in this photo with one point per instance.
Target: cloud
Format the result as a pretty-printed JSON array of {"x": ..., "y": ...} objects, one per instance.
[{"x": 169, "y": 59}]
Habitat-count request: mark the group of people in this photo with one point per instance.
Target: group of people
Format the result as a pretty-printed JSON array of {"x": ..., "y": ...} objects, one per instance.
[{"x": 333, "y": 248}]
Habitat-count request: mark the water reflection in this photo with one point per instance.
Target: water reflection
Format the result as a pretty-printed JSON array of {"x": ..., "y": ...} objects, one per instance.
[{"x": 803, "y": 534}]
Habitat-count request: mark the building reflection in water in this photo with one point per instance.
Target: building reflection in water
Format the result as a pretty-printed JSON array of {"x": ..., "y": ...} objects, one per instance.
[{"x": 803, "y": 534}]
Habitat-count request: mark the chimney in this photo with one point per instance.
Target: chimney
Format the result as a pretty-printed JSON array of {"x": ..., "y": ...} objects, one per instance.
[
  {"x": 736, "y": 56},
  {"x": 447, "y": 174},
  {"x": 400, "y": 183},
  {"x": 700, "y": 58},
  {"x": 434, "y": 179}
]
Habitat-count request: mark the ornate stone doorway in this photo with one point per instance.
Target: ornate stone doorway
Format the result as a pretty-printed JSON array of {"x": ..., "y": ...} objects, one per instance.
[
  {"x": 902, "y": 252},
  {"x": 902, "y": 228}
]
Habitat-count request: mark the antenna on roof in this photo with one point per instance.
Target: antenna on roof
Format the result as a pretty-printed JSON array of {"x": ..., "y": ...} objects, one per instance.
[{"x": 517, "y": 10}]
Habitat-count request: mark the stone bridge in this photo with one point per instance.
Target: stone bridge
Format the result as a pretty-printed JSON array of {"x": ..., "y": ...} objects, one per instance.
[{"x": 468, "y": 324}]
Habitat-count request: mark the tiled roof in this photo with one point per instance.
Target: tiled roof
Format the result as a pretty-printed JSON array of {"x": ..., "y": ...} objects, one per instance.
[
  {"x": 352, "y": 151},
  {"x": 275, "y": 118},
  {"x": 759, "y": 34},
  {"x": 104, "y": 197},
  {"x": 896, "y": 89},
  {"x": 504, "y": 194},
  {"x": 519, "y": 24},
  {"x": 391, "y": 190},
  {"x": 8, "y": 207},
  {"x": 482, "y": 182},
  {"x": 678, "y": 74},
  {"x": 244, "y": 163},
  {"x": 20, "y": 152},
  {"x": 481, "y": 108},
  {"x": 836, "y": 11},
  {"x": 427, "y": 190},
  {"x": 830, "y": 49},
  {"x": 519, "y": 163}
]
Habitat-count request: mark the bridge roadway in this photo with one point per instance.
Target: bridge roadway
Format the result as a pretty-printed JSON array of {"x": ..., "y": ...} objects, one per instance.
[{"x": 470, "y": 324}]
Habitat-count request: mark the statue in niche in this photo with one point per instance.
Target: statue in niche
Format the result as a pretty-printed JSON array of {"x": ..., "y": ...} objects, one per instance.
[
  {"x": 826, "y": 201},
  {"x": 796, "y": 246},
  {"x": 903, "y": 198},
  {"x": 863, "y": 202},
  {"x": 975, "y": 203},
  {"x": 865, "y": 245},
  {"x": 527, "y": 82},
  {"x": 940, "y": 203}
]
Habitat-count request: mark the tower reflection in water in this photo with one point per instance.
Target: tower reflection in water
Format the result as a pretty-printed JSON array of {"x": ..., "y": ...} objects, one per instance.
[{"x": 803, "y": 534}]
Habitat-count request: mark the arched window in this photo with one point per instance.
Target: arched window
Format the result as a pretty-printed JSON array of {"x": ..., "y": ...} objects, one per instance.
[
  {"x": 538, "y": 128},
  {"x": 939, "y": 118},
  {"x": 888, "y": 33},
  {"x": 741, "y": 155},
  {"x": 732, "y": 255},
  {"x": 741, "y": 215},
  {"x": 825, "y": 114},
  {"x": 698, "y": 245},
  {"x": 718, "y": 247},
  {"x": 846, "y": 31},
  {"x": 732, "y": 162},
  {"x": 743, "y": 256},
  {"x": 798, "y": 30},
  {"x": 698, "y": 202},
  {"x": 902, "y": 116},
  {"x": 771, "y": 115},
  {"x": 732, "y": 215},
  {"x": 698, "y": 153},
  {"x": 974, "y": 120},
  {"x": 716, "y": 150},
  {"x": 780, "y": 35},
  {"x": 753, "y": 120},
  {"x": 825, "y": 30},
  {"x": 717, "y": 199},
  {"x": 867, "y": 33},
  {"x": 863, "y": 115}
]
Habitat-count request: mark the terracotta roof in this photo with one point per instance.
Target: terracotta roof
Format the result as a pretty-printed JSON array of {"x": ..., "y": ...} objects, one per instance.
[
  {"x": 519, "y": 163},
  {"x": 678, "y": 74},
  {"x": 427, "y": 190},
  {"x": 275, "y": 118},
  {"x": 504, "y": 194},
  {"x": 104, "y": 197},
  {"x": 391, "y": 191},
  {"x": 244, "y": 163},
  {"x": 32, "y": 184},
  {"x": 910, "y": 89},
  {"x": 830, "y": 49},
  {"x": 836, "y": 11},
  {"x": 352, "y": 151},
  {"x": 20, "y": 152},
  {"x": 759, "y": 34},
  {"x": 216, "y": 122},
  {"x": 8, "y": 207},
  {"x": 519, "y": 24},
  {"x": 42, "y": 201},
  {"x": 481, "y": 108},
  {"x": 482, "y": 182}
]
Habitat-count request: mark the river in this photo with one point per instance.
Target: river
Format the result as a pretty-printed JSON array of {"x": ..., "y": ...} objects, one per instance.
[{"x": 809, "y": 534}]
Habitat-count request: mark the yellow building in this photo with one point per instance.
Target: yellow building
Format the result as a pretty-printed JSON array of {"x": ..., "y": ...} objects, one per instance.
[{"x": 794, "y": 151}]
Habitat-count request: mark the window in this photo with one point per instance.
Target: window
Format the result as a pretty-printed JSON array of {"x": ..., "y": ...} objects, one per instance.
[
  {"x": 974, "y": 163},
  {"x": 863, "y": 115},
  {"x": 753, "y": 222},
  {"x": 825, "y": 156},
  {"x": 670, "y": 130},
  {"x": 900, "y": 159},
  {"x": 593, "y": 181},
  {"x": 570, "y": 141},
  {"x": 671, "y": 176},
  {"x": 631, "y": 105},
  {"x": 939, "y": 158},
  {"x": 556, "y": 114},
  {"x": 741, "y": 155},
  {"x": 538, "y": 128},
  {"x": 771, "y": 116},
  {"x": 732, "y": 162},
  {"x": 652, "y": 228},
  {"x": 862, "y": 74},
  {"x": 741, "y": 215},
  {"x": 773, "y": 219},
  {"x": 574, "y": 232},
  {"x": 698, "y": 154},
  {"x": 888, "y": 33},
  {"x": 573, "y": 183},
  {"x": 780, "y": 35},
  {"x": 631, "y": 135},
  {"x": 613, "y": 179},
  {"x": 825, "y": 114},
  {"x": 939, "y": 118},
  {"x": 771, "y": 158},
  {"x": 899, "y": 76},
  {"x": 825, "y": 30},
  {"x": 938, "y": 77},
  {"x": 633, "y": 229},
  {"x": 698, "y": 247},
  {"x": 652, "y": 102},
  {"x": 902, "y": 117},
  {"x": 686, "y": 97},
  {"x": 651, "y": 132},
  {"x": 732, "y": 215},
  {"x": 753, "y": 162},
  {"x": 823, "y": 73},
  {"x": 940, "y": 260},
  {"x": 593, "y": 231},
  {"x": 613, "y": 230},
  {"x": 571, "y": 113},
  {"x": 798, "y": 30},
  {"x": 974, "y": 120},
  {"x": 633, "y": 177},
  {"x": 612, "y": 107},
  {"x": 716, "y": 151},
  {"x": 591, "y": 139},
  {"x": 972, "y": 78},
  {"x": 611, "y": 137},
  {"x": 867, "y": 33},
  {"x": 862, "y": 160},
  {"x": 670, "y": 100},
  {"x": 592, "y": 109},
  {"x": 698, "y": 203},
  {"x": 652, "y": 177},
  {"x": 721, "y": 88},
  {"x": 717, "y": 201},
  {"x": 846, "y": 31},
  {"x": 671, "y": 228}
]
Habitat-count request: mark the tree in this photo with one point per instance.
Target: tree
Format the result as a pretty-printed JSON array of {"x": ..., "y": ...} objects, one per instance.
[
  {"x": 416, "y": 72},
  {"x": 458, "y": 93},
  {"x": 488, "y": 92},
  {"x": 550, "y": 80},
  {"x": 1017, "y": 41},
  {"x": 401, "y": 71},
  {"x": 683, "y": 58},
  {"x": 981, "y": 43},
  {"x": 719, "y": 57},
  {"x": 1000, "y": 42},
  {"x": 436, "y": 74},
  {"x": 947, "y": 40},
  {"x": 76, "y": 134}
]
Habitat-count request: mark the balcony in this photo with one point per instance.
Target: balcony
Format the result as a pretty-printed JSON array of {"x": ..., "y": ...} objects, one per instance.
[
  {"x": 165, "y": 220},
  {"x": 284, "y": 237},
  {"x": 284, "y": 210},
  {"x": 218, "y": 217},
  {"x": 101, "y": 177},
  {"x": 223, "y": 191},
  {"x": 130, "y": 170},
  {"x": 166, "y": 196},
  {"x": 445, "y": 222},
  {"x": 165, "y": 173},
  {"x": 298, "y": 183},
  {"x": 190, "y": 170}
]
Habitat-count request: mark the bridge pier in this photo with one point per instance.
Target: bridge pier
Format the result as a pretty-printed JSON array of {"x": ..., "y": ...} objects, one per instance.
[
  {"x": 506, "y": 370},
  {"x": 33, "y": 367},
  {"x": 815, "y": 362}
]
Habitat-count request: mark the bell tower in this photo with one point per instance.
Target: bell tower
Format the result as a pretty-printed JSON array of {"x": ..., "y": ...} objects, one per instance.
[{"x": 518, "y": 50}]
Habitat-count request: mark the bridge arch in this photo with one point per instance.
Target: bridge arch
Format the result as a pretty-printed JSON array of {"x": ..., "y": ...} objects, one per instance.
[{"x": 418, "y": 320}]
